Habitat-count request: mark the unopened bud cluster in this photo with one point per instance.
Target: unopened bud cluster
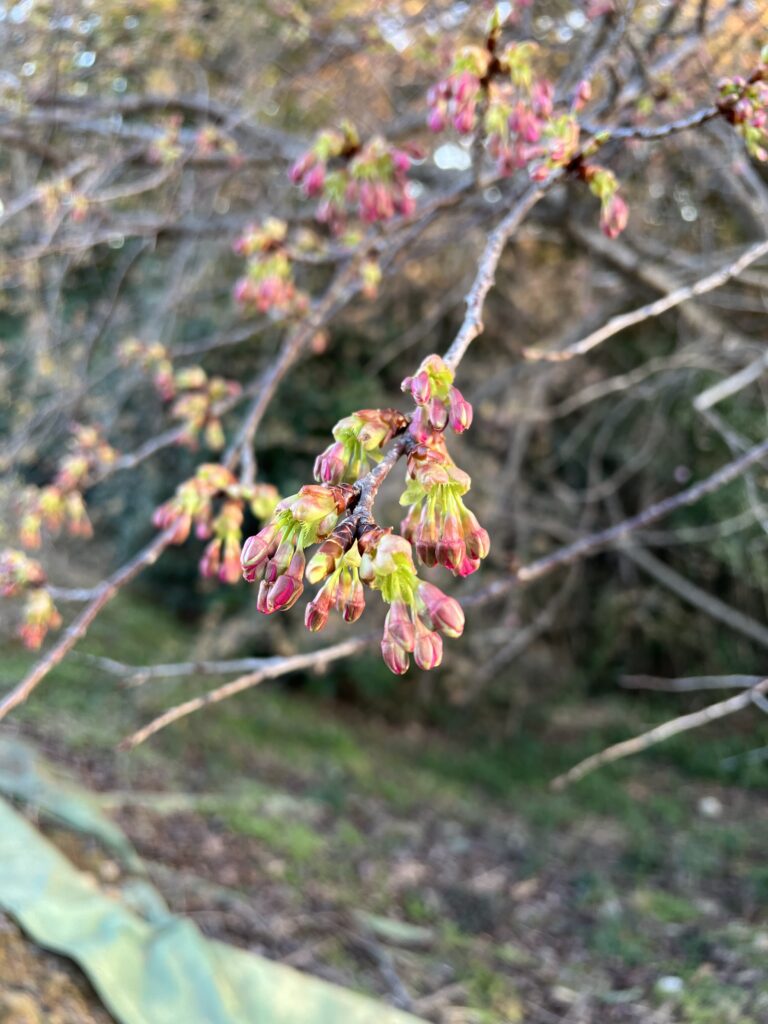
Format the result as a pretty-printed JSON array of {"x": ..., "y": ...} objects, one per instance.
[
  {"x": 21, "y": 576},
  {"x": 213, "y": 503},
  {"x": 195, "y": 395},
  {"x": 268, "y": 284},
  {"x": 348, "y": 176},
  {"x": 358, "y": 440},
  {"x": 354, "y": 551},
  {"x": 744, "y": 102},
  {"x": 497, "y": 93},
  {"x": 275, "y": 556},
  {"x": 60, "y": 504}
]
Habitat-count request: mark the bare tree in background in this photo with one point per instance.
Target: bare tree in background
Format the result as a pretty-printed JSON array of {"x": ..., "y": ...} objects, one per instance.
[{"x": 214, "y": 217}]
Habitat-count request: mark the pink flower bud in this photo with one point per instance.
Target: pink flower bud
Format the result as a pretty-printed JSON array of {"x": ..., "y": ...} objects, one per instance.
[
  {"x": 284, "y": 594},
  {"x": 426, "y": 540},
  {"x": 467, "y": 567},
  {"x": 450, "y": 546},
  {"x": 395, "y": 658},
  {"x": 477, "y": 541},
  {"x": 542, "y": 97},
  {"x": 583, "y": 95},
  {"x": 211, "y": 560},
  {"x": 399, "y": 627},
  {"x": 314, "y": 180},
  {"x": 428, "y": 652},
  {"x": 401, "y": 160},
  {"x": 460, "y": 412},
  {"x": 614, "y": 216},
  {"x": 229, "y": 569},
  {"x": 436, "y": 121},
  {"x": 443, "y": 613},
  {"x": 354, "y": 605},
  {"x": 318, "y": 610},
  {"x": 420, "y": 428},
  {"x": 438, "y": 414},
  {"x": 465, "y": 87},
  {"x": 464, "y": 119},
  {"x": 257, "y": 550}
]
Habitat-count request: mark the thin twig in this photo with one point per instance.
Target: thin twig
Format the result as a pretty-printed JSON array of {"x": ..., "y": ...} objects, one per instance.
[
  {"x": 688, "y": 684},
  {"x": 77, "y": 630},
  {"x": 277, "y": 667},
  {"x": 656, "y": 308},
  {"x": 472, "y": 325},
  {"x": 711, "y": 713}
]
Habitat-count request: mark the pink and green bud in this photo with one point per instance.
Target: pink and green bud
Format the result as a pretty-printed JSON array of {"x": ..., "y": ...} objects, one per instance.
[
  {"x": 476, "y": 539},
  {"x": 331, "y": 465},
  {"x": 399, "y": 626},
  {"x": 428, "y": 650},
  {"x": 318, "y": 610},
  {"x": 395, "y": 658},
  {"x": 614, "y": 216},
  {"x": 460, "y": 412},
  {"x": 257, "y": 551},
  {"x": 439, "y": 611},
  {"x": 354, "y": 603},
  {"x": 451, "y": 550}
]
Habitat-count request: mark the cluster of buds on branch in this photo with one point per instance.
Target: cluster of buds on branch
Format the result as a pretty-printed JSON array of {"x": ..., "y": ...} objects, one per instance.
[
  {"x": 214, "y": 503},
  {"x": 275, "y": 556},
  {"x": 744, "y": 103},
  {"x": 21, "y": 576},
  {"x": 268, "y": 285},
  {"x": 497, "y": 94},
  {"x": 354, "y": 551},
  {"x": 194, "y": 394},
  {"x": 419, "y": 615},
  {"x": 358, "y": 440},
  {"x": 348, "y": 176},
  {"x": 61, "y": 503}
]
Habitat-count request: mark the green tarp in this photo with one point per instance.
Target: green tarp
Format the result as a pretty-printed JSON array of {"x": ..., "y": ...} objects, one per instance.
[{"x": 164, "y": 972}]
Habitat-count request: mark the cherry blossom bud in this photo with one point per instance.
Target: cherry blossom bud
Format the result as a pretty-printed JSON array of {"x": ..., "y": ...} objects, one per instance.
[
  {"x": 211, "y": 560},
  {"x": 257, "y": 550},
  {"x": 438, "y": 414},
  {"x": 284, "y": 594},
  {"x": 354, "y": 605},
  {"x": 318, "y": 610},
  {"x": 399, "y": 625},
  {"x": 460, "y": 412},
  {"x": 477, "y": 541},
  {"x": 467, "y": 567},
  {"x": 324, "y": 561},
  {"x": 395, "y": 658},
  {"x": 428, "y": 651},
  {"x": 426, "y": 541},
  {"x": 583, "y": 95},
  {"x": 450, "y": 546},
  {"x": 464, "y": 119},
  {"x": 442, "y": 613},
  {"x": 614, "y": 216},
  {"x": 331, "y": 465},
  {"x": 314, "y": 180},
  {"x": 437, "y": 121},
  {"x": 229, "y": 569}
]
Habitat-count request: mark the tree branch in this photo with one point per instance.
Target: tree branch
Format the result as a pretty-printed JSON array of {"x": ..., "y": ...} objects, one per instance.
[
  {"x": 656, "y": 308},
  {"x": 657, "y": 735}
]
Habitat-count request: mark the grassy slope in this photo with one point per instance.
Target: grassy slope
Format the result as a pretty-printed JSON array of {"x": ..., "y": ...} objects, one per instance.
[{"x": 536, "y": 904}]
